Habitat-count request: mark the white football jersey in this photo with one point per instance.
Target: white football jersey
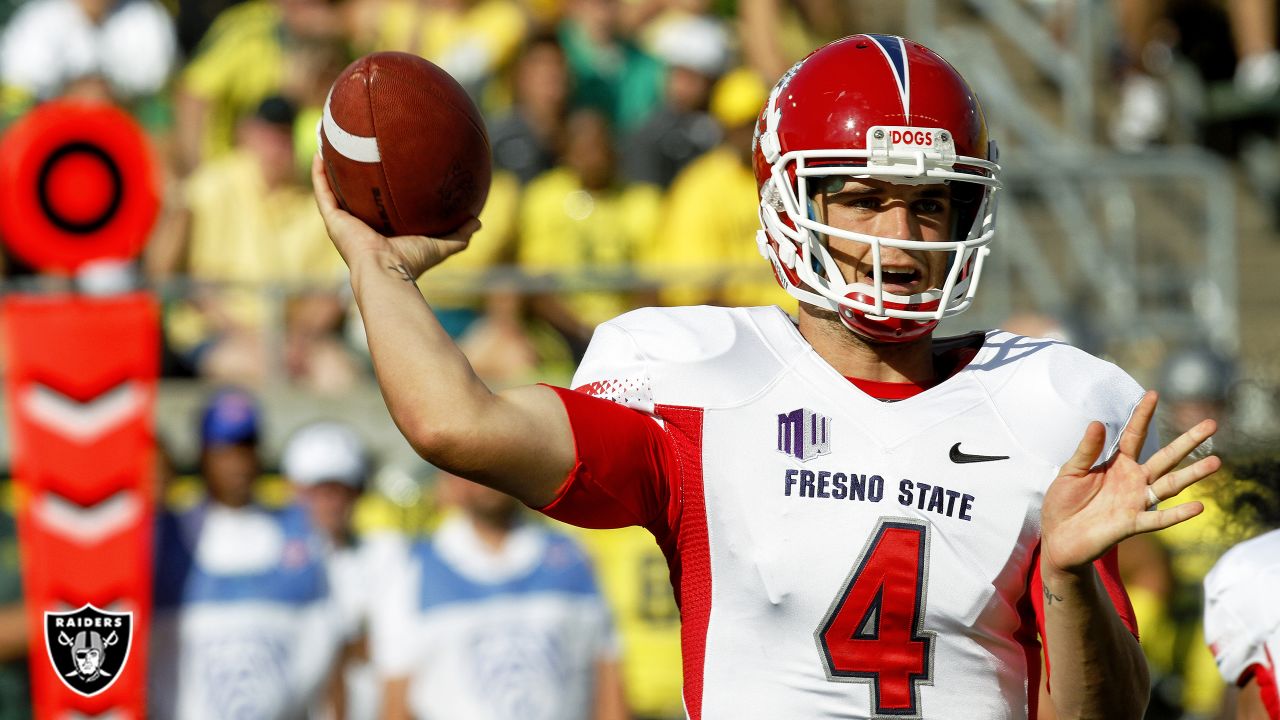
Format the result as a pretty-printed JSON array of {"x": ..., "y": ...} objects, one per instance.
[
  {"x": 245, "y": 625},
  {"x": 487, "y": 635},
  {"x": 361, "y": 574},
  {"x": 836, "y": 556},
  {"x": 1241, "y": 616}
]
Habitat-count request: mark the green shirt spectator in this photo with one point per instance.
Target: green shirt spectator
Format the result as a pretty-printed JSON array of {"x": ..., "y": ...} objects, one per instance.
[{"x": 610, "y": 73}]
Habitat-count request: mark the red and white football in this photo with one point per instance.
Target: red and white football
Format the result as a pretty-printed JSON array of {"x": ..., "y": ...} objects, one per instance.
[{"x": 404, "y": 148}]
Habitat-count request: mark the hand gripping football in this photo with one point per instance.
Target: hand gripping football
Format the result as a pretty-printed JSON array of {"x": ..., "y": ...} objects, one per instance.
[{"x": 404, "y": 148}]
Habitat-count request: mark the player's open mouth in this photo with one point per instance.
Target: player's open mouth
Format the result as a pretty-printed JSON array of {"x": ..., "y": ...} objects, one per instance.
[{"x": 896, "y": 280}]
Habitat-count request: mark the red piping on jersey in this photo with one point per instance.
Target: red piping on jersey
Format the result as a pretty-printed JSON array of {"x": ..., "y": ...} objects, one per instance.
[
  {"x": 887, "y": 390},
  {"x": 946, "y": 365},
  {"x": 630, "y": 471},
  {"x": 691, "y": 561},
  {"x": 1027, "y": 636},
  {"x": 1267, "y": 687},
  {"x": 1107, "y": 568}
]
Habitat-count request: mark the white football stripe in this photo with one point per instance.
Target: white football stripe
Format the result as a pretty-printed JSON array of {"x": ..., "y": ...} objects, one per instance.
[
  {"x": 88, "y": 525},
  {"x": 352, "y": 147},
  {"x": 83, "y": 422}
]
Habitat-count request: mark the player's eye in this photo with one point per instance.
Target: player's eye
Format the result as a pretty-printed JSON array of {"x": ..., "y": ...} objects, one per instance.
[
  {"x": 864, "y": 202},
  {"x": 929, "y": 206}
]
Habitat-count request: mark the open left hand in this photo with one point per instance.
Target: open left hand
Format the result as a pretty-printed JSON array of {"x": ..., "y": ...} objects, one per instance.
[{"x": 1087, "y": 510}]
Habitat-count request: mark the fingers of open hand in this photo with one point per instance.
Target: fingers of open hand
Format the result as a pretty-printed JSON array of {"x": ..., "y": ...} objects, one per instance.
[
  {"x": 1161, "y": 519},
  {"x": 1087, "y": 452},
  {"x": 1177, "y": 481},
  {"x": 1135, "y": 432},
  {"x": 1168, "y": 457}
]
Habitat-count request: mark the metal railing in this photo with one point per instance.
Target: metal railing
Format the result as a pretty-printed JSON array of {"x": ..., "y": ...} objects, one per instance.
[{"x": 1086, "y": 228}]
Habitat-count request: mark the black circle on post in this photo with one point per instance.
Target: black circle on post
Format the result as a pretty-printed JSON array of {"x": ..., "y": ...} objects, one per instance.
[{"x": 117, "y": 188}]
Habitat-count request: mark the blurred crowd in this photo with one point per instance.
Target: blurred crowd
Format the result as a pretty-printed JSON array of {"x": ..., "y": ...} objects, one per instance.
[
  {"x": 621, "y": 136},
  {"x": 620, "y": 130},
  {"x": 614, "y": 126}
]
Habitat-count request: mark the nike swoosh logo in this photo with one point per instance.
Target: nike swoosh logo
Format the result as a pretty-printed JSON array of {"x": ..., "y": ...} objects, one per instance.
[{"x": 964, "y": 457}]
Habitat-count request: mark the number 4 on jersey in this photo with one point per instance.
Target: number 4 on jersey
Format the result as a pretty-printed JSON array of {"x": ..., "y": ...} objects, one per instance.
[{"x": 873, "y": 631}]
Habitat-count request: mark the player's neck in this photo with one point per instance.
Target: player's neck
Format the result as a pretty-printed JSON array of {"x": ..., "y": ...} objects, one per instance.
[
  {"x": 854, "y": 356},
  {"x": 492, "y": 531}
]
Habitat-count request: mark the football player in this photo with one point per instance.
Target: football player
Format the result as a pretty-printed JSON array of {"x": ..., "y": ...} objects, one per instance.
[
  {"x": 1242, "y": 625},
  {"x": 861, "y": 520}
]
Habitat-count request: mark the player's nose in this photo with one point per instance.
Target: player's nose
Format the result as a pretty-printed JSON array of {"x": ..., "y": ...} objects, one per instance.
[{"x": 897, "y": 223}]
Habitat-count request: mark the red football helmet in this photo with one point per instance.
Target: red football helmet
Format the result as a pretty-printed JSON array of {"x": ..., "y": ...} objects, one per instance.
[{"x": 882, "y": 107}]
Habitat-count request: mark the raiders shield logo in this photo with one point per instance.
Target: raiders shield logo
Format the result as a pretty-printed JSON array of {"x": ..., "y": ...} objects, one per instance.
[{"x": 88, "y": 647}]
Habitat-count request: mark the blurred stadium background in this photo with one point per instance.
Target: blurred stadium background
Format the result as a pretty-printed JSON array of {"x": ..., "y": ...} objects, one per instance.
[{"x": 1139, "y": 219}]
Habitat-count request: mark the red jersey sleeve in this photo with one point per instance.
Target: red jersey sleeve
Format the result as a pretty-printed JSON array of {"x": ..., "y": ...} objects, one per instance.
[
  {"x": 1108, "y": 569},
  {"x": 621, "y": 473}
]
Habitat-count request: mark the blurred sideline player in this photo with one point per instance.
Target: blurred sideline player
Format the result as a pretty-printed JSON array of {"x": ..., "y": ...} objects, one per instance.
[
  {"x": 633, "y": 576},
  {"x": 495, "y": 618},
  {"x": 1242, "y": 623},
  {"x": 835, "y": 553},
  {"x": 328, "y": 464},
  {"x": 244, "y": 623}
]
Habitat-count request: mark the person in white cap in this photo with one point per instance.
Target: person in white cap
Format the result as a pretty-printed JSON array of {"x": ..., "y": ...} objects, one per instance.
[
  {"x": 695, "y": 51},
  {"x": 328, "y": 463}
]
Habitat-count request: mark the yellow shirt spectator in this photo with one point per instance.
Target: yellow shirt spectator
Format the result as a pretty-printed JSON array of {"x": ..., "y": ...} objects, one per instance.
[
  {"x": 472, "y": 43},
  {"x": 591, "y": 236},
  {"x": 709, "y": 231},
  {"x": 245, "y": 234},
  {"x": 240, "y": 61}
]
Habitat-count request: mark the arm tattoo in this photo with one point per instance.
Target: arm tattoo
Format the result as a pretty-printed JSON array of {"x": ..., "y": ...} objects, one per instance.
[
  {"x": 404, "y": 272},
  {"x": 1049, "y": 597}
]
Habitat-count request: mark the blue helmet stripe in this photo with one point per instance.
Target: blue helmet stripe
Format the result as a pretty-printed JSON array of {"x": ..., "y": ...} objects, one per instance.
[{"x": 895, "y": 51}]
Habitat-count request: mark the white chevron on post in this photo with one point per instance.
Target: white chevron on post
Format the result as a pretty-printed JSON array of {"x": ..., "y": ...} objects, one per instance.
[
  {"x": 87, "y": 525},
  {"x": 87, "y": 421}
]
